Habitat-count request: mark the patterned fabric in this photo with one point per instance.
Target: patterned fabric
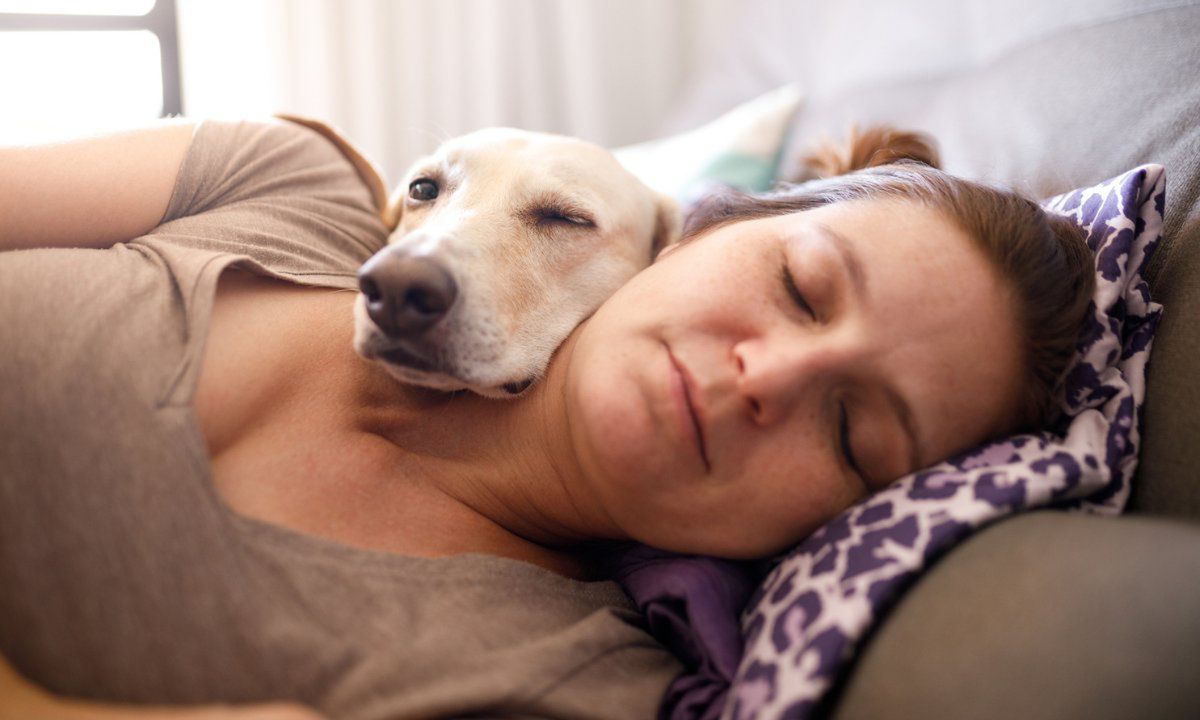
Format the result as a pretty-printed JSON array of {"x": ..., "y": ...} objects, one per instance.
[{"x": 803, "y": 623}]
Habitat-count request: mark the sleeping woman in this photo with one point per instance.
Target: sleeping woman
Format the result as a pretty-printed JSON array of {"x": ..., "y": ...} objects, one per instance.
[{"x": 210, "y": 506}]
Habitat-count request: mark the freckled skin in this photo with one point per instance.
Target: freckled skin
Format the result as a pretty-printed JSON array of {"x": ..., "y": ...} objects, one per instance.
[{"x": 934, "y": 328}]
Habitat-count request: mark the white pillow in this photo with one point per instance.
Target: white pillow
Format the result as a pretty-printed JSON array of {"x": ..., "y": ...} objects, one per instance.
[{"x": 740, "y": 149}]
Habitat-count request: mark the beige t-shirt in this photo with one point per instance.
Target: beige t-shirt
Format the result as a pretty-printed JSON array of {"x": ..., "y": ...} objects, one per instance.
[{"x": 124, "y": 577}]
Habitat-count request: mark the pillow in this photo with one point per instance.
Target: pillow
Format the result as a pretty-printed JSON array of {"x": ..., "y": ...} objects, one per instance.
[
  {"x": 802, "y": 624},
  {"x": 740, "y": 149}
]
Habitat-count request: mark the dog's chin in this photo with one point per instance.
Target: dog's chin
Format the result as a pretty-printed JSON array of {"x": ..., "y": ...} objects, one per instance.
[
  {"x": 413, "y": 368},
  {"x": 414, "y": 371},
  {"x": 431, "y": 381},
  {"x": 508, "y": 390}
]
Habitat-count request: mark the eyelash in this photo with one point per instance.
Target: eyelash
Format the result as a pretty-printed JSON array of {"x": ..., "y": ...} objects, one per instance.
[
  {"x": 563, "y": 216},
  {"x": 844, "y": 439},
  {"x": 789, "y": 284}
]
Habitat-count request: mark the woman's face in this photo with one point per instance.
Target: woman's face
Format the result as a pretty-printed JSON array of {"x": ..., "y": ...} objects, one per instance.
[{"x": 753, "y": 383}]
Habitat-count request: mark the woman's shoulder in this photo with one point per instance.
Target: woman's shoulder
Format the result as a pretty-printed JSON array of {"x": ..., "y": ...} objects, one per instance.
[
  {"x": 231, "y": 160},
  {"x": 276, "y": 192}
]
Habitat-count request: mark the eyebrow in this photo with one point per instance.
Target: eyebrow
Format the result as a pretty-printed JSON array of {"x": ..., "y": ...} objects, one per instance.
[
  {"x": 850, "y": 259},
  {"x": 858, "y": 278}
]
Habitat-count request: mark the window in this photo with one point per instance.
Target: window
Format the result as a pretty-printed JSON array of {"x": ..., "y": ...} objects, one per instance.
[{"x": 79, "y": 66}]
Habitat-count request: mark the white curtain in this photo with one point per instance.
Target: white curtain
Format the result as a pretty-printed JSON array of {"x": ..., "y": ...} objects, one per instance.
[{"x": 400, "y": 75}]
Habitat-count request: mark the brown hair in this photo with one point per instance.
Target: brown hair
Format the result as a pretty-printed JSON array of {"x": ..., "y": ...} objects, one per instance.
[{"x": 1042, "y": 257}]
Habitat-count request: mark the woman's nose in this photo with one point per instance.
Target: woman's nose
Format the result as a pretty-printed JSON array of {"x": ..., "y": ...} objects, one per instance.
[{"x": 775, "y": 378}]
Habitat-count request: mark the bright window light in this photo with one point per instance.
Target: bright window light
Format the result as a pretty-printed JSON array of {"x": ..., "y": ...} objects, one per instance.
[
  {"x": 78, "y": 7},
  {"x": 59, "y": 84}
]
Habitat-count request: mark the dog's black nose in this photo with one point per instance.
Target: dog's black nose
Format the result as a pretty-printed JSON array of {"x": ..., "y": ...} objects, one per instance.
[{"x": 406, "y": 295}]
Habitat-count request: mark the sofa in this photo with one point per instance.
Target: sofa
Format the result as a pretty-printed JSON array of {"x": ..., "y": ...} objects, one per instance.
[{"x": 1044, "y": 614}]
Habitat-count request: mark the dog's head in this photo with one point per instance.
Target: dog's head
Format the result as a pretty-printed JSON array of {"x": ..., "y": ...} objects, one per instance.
[{"x": 504, "y": 241}]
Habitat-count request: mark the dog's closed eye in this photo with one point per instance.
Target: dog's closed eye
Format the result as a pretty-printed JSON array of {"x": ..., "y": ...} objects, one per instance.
[
  {"x": 560, "y": 214},
  {"x": 552, "y": 215}
]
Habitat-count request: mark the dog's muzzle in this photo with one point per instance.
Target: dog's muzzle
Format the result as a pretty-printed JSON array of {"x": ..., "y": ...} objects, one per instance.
[{"x": 406, "y": 295}]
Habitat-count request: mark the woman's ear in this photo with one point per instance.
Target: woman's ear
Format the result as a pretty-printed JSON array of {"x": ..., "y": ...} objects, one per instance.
[
  {"x": 367, "y": 170},
  {"x": 667, "y": 224}
]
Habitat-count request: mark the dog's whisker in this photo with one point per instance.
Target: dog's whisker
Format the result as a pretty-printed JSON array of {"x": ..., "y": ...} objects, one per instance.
[
  {"x": 443, "y": 134},
  {"x": 438, "y": 137}
]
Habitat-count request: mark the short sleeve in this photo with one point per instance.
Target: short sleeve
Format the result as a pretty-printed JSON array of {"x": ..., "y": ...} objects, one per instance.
[{"x": 276, "y": 192}]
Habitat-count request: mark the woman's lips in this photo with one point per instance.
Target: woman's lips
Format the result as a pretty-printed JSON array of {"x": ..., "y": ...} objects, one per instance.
[{"x": 681, "y": 391}]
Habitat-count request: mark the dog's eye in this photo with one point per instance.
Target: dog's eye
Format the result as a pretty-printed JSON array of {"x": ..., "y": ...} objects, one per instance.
[
  {"x": 554, "y": 216},
  {"x": 422, "y": 189}
]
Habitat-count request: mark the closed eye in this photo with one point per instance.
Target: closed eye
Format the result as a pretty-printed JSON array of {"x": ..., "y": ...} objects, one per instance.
[
  {"x": 789, "y": 283},
  {"x": 844, "y": 441},
  {"x": 550, "y": 211},
  {"x": 562, "y": 216}
]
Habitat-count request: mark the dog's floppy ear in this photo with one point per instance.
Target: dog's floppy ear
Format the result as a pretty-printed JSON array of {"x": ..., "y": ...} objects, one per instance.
[
  {"x": 367, "y": 170},
  {"x": 394, "y": 209},
  {"x": 667, "y": 224}
]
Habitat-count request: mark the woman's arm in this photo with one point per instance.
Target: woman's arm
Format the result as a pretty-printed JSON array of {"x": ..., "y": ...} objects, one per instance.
[
  {"x": 22, "y": 700},
  {"x": 91, "y": 192}
]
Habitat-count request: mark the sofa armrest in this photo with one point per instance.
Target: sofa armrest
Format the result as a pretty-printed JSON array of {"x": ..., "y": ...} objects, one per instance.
[{"x": 1044, "y": 615}]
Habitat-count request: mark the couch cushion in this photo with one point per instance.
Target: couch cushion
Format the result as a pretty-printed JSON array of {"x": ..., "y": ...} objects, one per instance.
[
  {"x": 1070, "y": 108},
  {"x": 740, "y": 149},
  {"x": 1043, "y": 615}
]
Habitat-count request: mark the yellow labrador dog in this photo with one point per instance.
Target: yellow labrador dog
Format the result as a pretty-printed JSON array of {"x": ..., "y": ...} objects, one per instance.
[{"x": 502, "y": 242}]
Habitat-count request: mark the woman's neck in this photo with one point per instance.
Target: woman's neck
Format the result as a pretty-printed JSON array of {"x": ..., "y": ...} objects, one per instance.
[
  {"x": 509, "y": 465},
  {"x": 304, "y": 433}
]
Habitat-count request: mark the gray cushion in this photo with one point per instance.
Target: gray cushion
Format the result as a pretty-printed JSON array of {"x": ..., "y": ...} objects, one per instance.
[
  {"x": 1044, "y": 615},
  {"x": 1067, "y": 109}
]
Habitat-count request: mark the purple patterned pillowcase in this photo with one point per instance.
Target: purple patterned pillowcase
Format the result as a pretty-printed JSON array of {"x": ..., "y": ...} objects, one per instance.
[{"x": 803, "y": 623}]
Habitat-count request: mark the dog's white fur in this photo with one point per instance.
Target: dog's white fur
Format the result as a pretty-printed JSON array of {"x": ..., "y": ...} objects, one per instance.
[{"x": 537, "y": 230}]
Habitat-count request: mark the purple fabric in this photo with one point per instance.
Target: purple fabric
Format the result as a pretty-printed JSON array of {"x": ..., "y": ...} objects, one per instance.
[
  {"x": 802, "y": 624},
  {"x": 692, "y": 605}
]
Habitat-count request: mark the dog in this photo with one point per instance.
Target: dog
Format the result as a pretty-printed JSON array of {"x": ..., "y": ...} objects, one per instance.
[{"x": 502, "y": 241}]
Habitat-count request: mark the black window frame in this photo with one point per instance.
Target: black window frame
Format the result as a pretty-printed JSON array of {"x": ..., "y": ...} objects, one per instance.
[{"x": 160, "y": 20}]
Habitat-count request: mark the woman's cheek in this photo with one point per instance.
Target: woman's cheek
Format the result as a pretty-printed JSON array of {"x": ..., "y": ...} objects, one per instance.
[{"x": 610, "y": 428}]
